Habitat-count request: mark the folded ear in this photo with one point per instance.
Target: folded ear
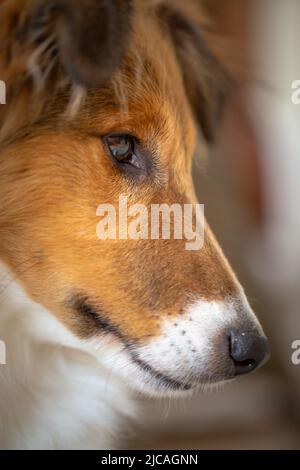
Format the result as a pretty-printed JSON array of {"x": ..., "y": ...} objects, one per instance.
[
  {"x": 206, "y": 80},
  {"x": 47, "y": 44},
  {"x": 87, "y": 37},
  {"x": 92, "y": 36}
]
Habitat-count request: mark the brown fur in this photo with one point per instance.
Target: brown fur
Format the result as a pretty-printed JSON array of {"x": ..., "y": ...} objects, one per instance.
[
  {"x": 54, "y": 172},
  {"x": 41, "y": 40}
]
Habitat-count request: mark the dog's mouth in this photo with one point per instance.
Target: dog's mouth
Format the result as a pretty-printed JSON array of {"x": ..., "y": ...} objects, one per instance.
[
  {"x": 163, "y": 382},
  {"x": 148, "y": 370},
  {"x": 156, "y": 379}
]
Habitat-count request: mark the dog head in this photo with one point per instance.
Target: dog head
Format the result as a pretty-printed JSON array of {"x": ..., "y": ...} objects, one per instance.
[{"x": 163, "y": 317}]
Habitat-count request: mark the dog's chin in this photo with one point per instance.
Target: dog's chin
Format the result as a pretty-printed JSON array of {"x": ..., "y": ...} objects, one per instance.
[
  {"x": 164, "y": 387},
  {"x": 153, "y": 389},
  {"x": 141, "y": 376},
  {"x": 158, "y": 390}
]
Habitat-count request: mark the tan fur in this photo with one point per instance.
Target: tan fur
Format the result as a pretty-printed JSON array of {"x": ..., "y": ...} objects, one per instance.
[{"x": 54, "y": 173}]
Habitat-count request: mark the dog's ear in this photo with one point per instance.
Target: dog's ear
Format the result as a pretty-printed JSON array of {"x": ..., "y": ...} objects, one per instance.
[
  {"x": 48, "y": 45},
  {"x": 92, "y": 37},
  {"x": 206, "y": 80},
  {"x": 87, "y": 37}
]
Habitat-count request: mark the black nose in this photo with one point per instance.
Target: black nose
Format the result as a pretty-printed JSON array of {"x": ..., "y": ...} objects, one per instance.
[{"x": 248, "y": 350}]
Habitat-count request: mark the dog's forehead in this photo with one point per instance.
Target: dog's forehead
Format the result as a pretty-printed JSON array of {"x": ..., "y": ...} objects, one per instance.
[{"x": 146, "y": 98}]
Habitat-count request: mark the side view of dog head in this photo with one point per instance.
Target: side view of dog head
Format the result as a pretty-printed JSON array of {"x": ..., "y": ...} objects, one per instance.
[{"x": 103, "y": 100}]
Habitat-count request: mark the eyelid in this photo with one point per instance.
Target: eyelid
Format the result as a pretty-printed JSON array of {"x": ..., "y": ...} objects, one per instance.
[{"x": 121, "y": 134}]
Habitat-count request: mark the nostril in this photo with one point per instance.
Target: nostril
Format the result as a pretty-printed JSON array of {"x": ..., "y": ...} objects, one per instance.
[
  {"x": 243, "y": 367},
  {"x": 246, "y": 363},
  {"x": 247, "y": 350}
]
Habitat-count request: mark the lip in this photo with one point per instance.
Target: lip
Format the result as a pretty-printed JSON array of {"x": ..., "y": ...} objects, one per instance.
[{"x": 163, "y": 380}]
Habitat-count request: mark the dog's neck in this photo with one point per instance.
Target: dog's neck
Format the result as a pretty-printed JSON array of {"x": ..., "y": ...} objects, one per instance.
[{"x": 53, "y": 393}]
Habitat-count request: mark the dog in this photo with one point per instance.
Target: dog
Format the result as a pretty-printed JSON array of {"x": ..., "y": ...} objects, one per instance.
[{"x": 104, "y": 99}]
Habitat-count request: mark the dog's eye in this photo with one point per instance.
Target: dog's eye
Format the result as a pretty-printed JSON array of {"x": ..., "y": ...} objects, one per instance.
[
  {"x": 123, "y": 149},
  {"x": 129, "y": 154}
]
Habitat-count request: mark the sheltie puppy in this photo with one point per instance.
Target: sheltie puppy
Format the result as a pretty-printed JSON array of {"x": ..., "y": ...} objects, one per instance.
[{"x": 103, "y": 99}]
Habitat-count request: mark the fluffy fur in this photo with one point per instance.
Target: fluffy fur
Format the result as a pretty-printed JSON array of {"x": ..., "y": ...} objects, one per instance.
[
  {"x": 54, "y": 393},
  {"x": 86, "y": 322}
]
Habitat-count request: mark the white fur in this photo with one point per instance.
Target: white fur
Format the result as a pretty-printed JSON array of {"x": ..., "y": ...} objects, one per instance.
[
  {"x": 187, "y": 343},
  {"x": 60, "y": 392},
  {"x": 53, "y": 394},
  {"x": 193, "y": 347}
]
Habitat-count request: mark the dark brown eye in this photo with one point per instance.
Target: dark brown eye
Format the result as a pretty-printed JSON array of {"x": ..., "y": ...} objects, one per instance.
[
  {"x": 121, "y": 147},
  {"x": 128, "y": 154}
]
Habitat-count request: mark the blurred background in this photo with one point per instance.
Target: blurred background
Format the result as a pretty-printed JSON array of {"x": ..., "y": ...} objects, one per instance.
[{"x": 250, "y": 185}]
